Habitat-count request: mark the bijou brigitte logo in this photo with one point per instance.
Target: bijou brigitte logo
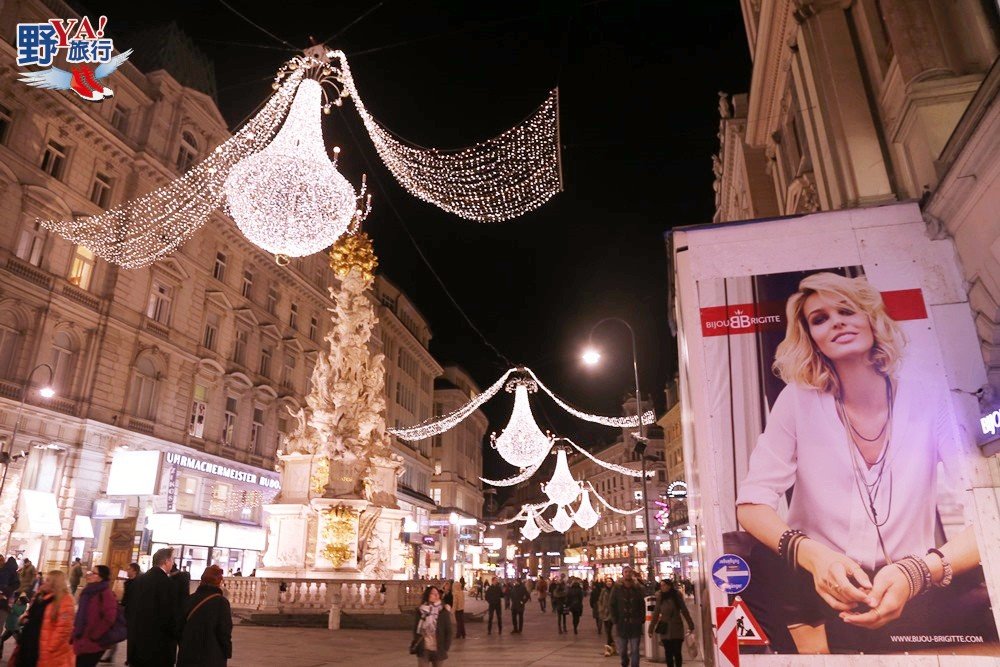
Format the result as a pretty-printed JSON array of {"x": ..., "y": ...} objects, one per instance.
[{"x": 740, "y": 320}]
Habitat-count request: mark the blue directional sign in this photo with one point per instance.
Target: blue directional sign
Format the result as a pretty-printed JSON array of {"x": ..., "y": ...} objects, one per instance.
[{"x": 731, "y": 574}]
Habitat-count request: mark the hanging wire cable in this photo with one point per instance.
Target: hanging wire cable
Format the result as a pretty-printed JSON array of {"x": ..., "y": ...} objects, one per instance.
[
  {"x": 249, "y": 45},
  {"x": 259, "y": 27},
  {"x": 351, "y": 24}
]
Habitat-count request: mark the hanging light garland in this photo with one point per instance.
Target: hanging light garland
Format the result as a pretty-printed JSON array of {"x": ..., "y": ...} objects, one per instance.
[
  {"x": 521, "y": 443},
  {"x": 494, "y": 180},
  {"x": 585, "y": 515},
  {"x": 611, "y": 507},
  {"x": 289, "y": 199},
  {"x": 648, "y": 417},
  {"x": 562, "y": 489},
  {"x": 610, "y": 466},
  {"x": 516, "y": 479}
]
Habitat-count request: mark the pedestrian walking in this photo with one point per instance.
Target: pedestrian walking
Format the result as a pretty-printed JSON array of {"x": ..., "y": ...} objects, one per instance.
[
  {"x": 152, "y": 615},
  {"x": 604, "y": 611},
  {"x": 45, "y": 636},
  {"x": 75, "y": 576},
  {"x": 433, "y": 629},
  {"x": 27, "y": 576},
  {"x": 132, "y": 572},
  {"x": 96, "y": 615},
  {"x": 206, "y": 637},
  {"x": 628, "y": 612},
  {"x": 668, "y": 621},
  {"x": 519, "y": 597},
  {"x": 447, "y": 596},
  {"x": 543, "y": 589},
  {"x": 558, "y": 590},
  {"x": 458, "y": 596},
  {"x": 494, "y": 598},
  {"x": 595, "y": 597},
  {"x": 8, "y": 578},
  {"x": 12, "y": 626},
  {"x": 574, "y": 603},
  {"x": 506, "y": 593}
]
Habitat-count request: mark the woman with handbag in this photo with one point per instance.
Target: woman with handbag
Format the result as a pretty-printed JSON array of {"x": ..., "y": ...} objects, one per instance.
[
  {"x": 207, "y": 624},
  {"x": 668, "y": 622},
  {"x": 96, "y": 615},
  {"x": 433, "y": 630}
]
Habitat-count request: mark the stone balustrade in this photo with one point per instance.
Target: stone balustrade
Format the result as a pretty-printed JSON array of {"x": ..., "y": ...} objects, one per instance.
[{"x": 311, "y": 596}]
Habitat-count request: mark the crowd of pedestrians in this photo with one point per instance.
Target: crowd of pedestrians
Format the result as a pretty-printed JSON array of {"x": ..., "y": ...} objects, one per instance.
[
  {"x": 618, "y": 608},
  {"x": 62, "y": 619}
]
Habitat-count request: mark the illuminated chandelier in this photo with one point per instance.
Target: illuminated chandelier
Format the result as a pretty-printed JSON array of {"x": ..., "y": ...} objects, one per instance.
[
  {"x": 562, "y": 489},
  {"x": 271, "y": 195},
  {"x": 521, "y": 443},
  {"x": 530, "y": 529},
  {"x": 585, "y": 515},
  {"x": 289, "y": 199},
  {"x": 562, "y": 521}
]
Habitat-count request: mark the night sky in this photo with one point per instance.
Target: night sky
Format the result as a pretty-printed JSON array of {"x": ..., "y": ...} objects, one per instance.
[{"x": 638, "y": 83}]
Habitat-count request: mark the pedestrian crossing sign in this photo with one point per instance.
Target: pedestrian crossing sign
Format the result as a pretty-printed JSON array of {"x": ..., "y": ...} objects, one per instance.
[{"x": 748, "y": 630}]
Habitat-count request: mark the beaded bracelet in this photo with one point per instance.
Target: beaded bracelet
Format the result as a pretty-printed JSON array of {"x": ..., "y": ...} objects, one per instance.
[
  {"x": 793, "y": 551},
  {"x": 785, "y": 540},
  {"x": 946, "y": 569},
  {"x": 917, "y": 573}
]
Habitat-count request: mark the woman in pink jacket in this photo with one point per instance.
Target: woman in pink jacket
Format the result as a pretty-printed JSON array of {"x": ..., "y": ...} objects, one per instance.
[{"x": 94, "y": 617}]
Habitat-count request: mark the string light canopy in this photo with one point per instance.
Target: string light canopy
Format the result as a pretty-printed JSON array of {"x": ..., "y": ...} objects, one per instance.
[
  {"x": 562, "y": 489},
  {"x": 521, "y": 443},
  {"x": 492, "y": 181},
  {"x": 289, "y": 199}
]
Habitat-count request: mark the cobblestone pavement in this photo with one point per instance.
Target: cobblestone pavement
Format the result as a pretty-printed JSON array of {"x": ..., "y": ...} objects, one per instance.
[{"x": 539, "y": 644}]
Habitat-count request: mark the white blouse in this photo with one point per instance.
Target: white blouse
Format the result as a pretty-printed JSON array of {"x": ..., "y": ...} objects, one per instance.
[{"x": 805, "y": 445}]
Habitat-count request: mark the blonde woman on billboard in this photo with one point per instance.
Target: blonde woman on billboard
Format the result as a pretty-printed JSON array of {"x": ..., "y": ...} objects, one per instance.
[{"x": 858, "y": 446}]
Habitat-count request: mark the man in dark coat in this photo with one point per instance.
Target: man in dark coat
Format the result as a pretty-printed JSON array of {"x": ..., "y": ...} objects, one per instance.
[
  {"x": 152, "y": 615},
  {"x": 494, "y": 598},
  {"x": 628, "y": 613},
  {"x": 519, "y": 597},
  {"x": 206, "y": 625},
  {"x": 595, "y": 596}
]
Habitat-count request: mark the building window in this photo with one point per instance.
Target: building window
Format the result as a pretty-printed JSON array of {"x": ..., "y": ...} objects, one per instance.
[
  {"x": 100, "y": 191},
  {"x": 144, "y": 380},
  {"x": 54, "y": 159},
  {"x": 211, "y": 331},
  {"x": 257, "y": 431},
  {"x": 437, "y": 467},
  {"x": 436, "y": 495},
  {"x": 638, "y": 522},
  {"x": 247, "y": 288},
  {"x": 272, "y": 300},
  {"x": 187, "y": 153},
  {"x": 313, "y": 327},
  {"x": 220, "y": 499},
  {"x": 6, "y": 120},
  {"x": 293, "y": 317},
  {"x": 229, "y": 421},
  {"x": 31, "y": 243},
  {"x": 288, "y": 373},
  {"x": 81, "y": 270},
  {"x": 63, "y": 363},
  {"x": 187, "y": 494},
  {"x": 199, "y": 407},
  {"x": 265, "y": 360},
  {"x": 240, "y": 349},
  {"x": 219, "y": 270},
  {"x": 160, "y": 297},
  {"x": 42, "y": 470},
  {"x": 120, "y": 118},
  {"x": 10, "y": 345}
]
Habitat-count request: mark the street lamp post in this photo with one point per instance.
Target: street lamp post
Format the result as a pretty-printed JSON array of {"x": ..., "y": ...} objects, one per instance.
[
  {"x": 46, "y": 391},
  {"x": 592, "y": 357}
]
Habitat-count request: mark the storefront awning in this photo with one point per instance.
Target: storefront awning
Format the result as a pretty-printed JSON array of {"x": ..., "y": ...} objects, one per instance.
[
  {"x": 83, "y": 528},
  {"x": 38, "y": 514}
]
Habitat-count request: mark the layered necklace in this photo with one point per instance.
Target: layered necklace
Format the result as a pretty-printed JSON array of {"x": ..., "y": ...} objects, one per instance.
[{"x": 880, "y": 469}]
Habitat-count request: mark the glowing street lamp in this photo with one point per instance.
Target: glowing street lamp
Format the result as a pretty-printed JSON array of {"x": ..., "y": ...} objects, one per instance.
[{"x": 591, "y": 357}]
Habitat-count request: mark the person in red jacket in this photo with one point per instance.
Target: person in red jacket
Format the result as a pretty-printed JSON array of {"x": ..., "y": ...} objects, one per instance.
[{"x": 96, "y": 614}]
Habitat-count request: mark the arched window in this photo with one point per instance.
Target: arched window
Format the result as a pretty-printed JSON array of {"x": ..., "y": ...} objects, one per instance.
[
  {"x": 188, "y": 152},
  {"x": 142, "y": 401},
  {"x": 63, "y": 363},
  {"x": 10, "y": 344},
  {"x": 31, "y": 243}
]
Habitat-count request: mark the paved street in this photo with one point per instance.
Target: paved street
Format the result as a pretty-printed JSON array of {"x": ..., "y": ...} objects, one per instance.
[{"x": 540, "y": 644}]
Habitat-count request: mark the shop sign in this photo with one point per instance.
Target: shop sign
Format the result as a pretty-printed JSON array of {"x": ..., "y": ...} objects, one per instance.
[
  {"x": 430, "y": 540},
  {"x": 236, "y": 536},
  {"x": 202, "y": 465},
  {"x": 134, "y": 473},
  {"x": 109, "y": 508},
  {"x": 988, "y": 428}
]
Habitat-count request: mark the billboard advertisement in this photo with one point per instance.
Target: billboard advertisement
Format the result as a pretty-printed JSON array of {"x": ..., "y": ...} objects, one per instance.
[{"x": 828, "y": 449}]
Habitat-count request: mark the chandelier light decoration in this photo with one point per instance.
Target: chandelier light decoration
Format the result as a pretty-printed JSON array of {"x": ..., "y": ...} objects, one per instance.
[
  {"x": 495, "y": 180},
  {"x": 524, "y": 475},
  {"x": 286, "y": 195},
  {"x": 618, "y": 422},
  {"x": 562, "y": 521},
  {"x": 289, "y": 199},
  {"x": 521, "y": 443},
  {"x": 585, "y": 515},
  {"x": 530, "y": 529},
  {"x": 562, "y": 489},
  {"x": 620, "y": 469}
]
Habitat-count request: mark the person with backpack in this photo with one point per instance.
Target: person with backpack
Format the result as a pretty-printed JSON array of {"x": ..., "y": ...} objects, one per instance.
[
  {"x": 207, "y": 624},
  {"x": 96, "y": 615}
]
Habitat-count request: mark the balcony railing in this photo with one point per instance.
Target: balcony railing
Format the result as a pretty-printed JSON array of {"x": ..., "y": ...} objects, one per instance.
[
  {"x": 28, "y": 272},
  {"x": 156, "y": 328},
  {"x": 140, "y": 425},
  {"x": 82, "y": 297}
]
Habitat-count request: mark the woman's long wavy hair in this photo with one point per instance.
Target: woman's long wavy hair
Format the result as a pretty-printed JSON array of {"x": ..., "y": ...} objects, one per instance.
[
  {"x": 798, "y": 360},
  {"x": 59, "y": 586}
]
